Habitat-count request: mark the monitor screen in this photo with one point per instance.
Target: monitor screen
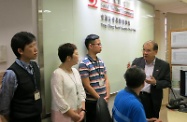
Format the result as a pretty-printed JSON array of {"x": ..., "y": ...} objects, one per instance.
[{"x": 183, "y": 83}]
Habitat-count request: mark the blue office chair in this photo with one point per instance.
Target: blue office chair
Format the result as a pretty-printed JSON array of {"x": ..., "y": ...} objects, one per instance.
[{"x": 102, "y": 111}]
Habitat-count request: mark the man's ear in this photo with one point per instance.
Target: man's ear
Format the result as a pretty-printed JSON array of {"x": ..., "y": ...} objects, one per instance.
[
  {"x": 20, "y": 51},
  {"x": 90, "y": 46},
  {"x": 156, "y": 51}
]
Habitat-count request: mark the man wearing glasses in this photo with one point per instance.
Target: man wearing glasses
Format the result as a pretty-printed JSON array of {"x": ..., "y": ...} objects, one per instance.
[
  {"x": 94, "y": 77},
  {"x": 157, "y": 78}
]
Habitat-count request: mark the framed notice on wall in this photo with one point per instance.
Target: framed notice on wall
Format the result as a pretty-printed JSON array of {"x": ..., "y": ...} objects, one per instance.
[
  {"x": 179, "y": 56},
  {"x": 177, "y": 53},
  {"x": 179, "y": 39}
]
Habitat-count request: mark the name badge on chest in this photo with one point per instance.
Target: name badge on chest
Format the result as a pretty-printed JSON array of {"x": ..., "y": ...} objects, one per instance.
[
  {"x": 101, "y": 82},
  {"x": 36, "y": 95}
]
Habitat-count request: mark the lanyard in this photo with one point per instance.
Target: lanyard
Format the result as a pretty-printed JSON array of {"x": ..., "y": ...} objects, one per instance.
[
  {"x": 74, "y": 81},
  {"x": 98, "y": 70},
  {"x": 34, "y": 76}
]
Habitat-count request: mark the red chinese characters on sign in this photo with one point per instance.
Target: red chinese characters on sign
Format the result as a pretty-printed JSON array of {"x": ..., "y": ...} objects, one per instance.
[
  {"x": 113, "y": 7},
  {"x": 116, "y": 8},
  {"x": 93, "y": 3}
]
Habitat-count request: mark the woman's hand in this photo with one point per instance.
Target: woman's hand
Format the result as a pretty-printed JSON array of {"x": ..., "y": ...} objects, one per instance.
[{"x": 81, "y": 114}]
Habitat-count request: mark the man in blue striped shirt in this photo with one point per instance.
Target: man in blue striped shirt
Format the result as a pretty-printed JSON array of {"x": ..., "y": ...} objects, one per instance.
[{"x": 94, "y": 77}]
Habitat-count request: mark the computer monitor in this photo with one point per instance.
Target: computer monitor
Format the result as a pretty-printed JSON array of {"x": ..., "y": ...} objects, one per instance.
[{"x": 183, "y": 83}]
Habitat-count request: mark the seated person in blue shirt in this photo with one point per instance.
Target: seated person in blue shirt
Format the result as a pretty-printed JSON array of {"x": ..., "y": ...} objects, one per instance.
[
  {"x": 20, "y": 99},
  {"x": 127, "y": 106}
]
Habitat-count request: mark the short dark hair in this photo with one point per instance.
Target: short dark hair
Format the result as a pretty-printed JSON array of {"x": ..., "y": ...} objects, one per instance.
[
  {"x": 90, "y": 38},
  {"x": 65, "y": 50},
  {"x": 134, "y": 77},
  {"x": 20, "y": 40},
  {"x": 155, "y": 45}
]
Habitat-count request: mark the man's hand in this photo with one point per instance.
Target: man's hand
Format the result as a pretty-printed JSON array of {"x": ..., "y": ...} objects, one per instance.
[
  {"x": 128, "y": 65},
  {"x": 151, "y": 80},
  {"x": 154, "y": 120},
  {"x": 107, "y": 98},
  {"x": 3, "y": 119},
  {"x": 158, "y": 120}
]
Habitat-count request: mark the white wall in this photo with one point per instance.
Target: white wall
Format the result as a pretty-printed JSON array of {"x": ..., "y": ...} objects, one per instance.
[
  {"x": 72, "y": 20},
  {"x": 15, "y": 16},
  {"x": 159, "y": 34}
]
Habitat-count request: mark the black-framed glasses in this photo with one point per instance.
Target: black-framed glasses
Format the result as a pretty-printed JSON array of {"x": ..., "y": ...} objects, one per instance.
[{"x": 99, "y": 44}]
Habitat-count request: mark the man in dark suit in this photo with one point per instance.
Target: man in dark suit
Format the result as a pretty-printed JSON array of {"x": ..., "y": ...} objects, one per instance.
[{"x": 157, "y": 77}]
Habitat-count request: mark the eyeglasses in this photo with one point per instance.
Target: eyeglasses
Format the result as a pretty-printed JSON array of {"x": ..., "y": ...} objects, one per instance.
[{"x": 99, "y": 44}]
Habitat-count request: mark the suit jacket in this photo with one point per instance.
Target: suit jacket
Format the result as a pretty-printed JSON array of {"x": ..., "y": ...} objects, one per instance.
[{"x": 161, "y": 73}]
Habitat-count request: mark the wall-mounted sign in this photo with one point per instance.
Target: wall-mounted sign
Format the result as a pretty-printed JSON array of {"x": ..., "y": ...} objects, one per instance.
[
  {"x": 113, "y": 6},
  {"x": 116, "y": 8},
  {"x": 119, "y": 23},
  {"x": 93, "y": 3}
]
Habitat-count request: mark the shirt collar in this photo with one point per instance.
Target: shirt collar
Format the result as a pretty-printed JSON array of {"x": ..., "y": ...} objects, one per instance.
[
  {"x": 22, "y": 64},
  {"x": 91, "y": 59},
  {"x": 152, "y": 63}
]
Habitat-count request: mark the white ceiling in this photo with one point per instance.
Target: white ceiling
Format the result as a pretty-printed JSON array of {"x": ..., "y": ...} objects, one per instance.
[{"x": 174, "y": 6}]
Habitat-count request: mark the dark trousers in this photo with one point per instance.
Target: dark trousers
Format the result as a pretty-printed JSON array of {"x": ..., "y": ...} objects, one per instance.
[
  {"x": 91, "y": 110},
  {"x": 147, "y": 102},
  {"x": 33, "y": 119}
]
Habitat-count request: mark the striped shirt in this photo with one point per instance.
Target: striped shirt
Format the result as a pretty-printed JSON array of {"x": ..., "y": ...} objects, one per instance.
[{"x": 95, "y": 70}]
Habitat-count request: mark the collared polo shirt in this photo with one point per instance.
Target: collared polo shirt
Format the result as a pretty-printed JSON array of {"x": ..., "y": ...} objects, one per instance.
[{"x": 95, "y": 70}]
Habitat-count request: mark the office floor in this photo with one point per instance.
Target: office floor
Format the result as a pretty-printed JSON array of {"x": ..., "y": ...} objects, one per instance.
[
  {"x": 166, "y": 115},
  {"x": 163, "y": 114}
]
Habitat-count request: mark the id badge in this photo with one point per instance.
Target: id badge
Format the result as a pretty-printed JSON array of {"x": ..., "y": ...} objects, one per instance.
[
  {"x": 101, "y": 83},
  {"x": 36, "y": 95}
]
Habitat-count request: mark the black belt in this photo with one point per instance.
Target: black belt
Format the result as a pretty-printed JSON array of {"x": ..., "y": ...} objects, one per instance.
[{"x": 146, "y": 93}]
